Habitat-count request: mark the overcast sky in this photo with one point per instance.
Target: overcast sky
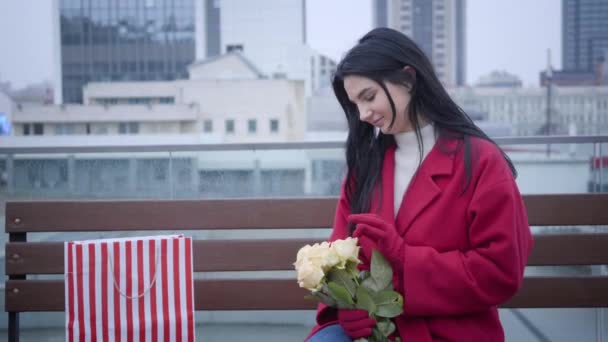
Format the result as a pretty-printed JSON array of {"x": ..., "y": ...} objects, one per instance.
[{"x": 511, "y": 35}]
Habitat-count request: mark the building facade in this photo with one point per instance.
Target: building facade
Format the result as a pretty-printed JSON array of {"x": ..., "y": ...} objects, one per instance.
[
  {"x": 574, "y": 110},
  {"x": 584, "y": 34},
  {"x": 270, "y": 33},
  {"x": 437, "y": 26},
  {"x": 127, "y": 40},
  {"x": 225, "y": 99}
]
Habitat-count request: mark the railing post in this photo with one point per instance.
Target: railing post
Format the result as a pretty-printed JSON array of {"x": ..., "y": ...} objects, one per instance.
[
  {"x": 10, "y": 174},
  {"x": 13, "y": 327},
  {"x": 13, "y": 317}
]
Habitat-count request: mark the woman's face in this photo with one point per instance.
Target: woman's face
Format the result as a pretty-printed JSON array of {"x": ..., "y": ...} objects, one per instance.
[{"x": 375, "y": 107}]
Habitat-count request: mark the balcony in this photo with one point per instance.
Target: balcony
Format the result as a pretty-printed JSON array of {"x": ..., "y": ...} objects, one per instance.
[{"x": 33, "y": 169}]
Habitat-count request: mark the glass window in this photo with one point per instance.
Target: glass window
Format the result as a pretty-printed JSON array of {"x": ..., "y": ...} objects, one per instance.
[
  {"x": 252, "y": 125},
  {"x": 133, "y": 127},
  {"x": 64, "y": 128},
  {"x": 128, "y": 128},
  {"x": 38, "y": 129},
  {"x": 230, "y": 126},
  {"x": 208, "y": 126},
  {"x": 234, "y": 47},
  {"x": 274, "y": 126}
]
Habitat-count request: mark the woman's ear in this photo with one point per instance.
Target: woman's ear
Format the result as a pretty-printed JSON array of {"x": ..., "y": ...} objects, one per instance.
[{"x": 410, "y": 71}]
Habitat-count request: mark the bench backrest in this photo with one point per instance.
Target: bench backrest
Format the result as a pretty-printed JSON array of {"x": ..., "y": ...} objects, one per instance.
[{"x": 33, "y": 258}]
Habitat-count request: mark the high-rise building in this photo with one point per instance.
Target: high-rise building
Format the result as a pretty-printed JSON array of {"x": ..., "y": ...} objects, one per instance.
[
  {"x": 584, "y": 34},
  {"x": 253, "y": 27},
  {"x": 437, "y": 26},
  {"x": 270, "y": 33},
  {"x": 584, "y": 45},
  {"x": 126, "y": 40}
]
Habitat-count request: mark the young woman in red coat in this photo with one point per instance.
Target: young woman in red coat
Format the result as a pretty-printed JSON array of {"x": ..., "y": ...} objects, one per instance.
[{"x": 431, "y": 192}]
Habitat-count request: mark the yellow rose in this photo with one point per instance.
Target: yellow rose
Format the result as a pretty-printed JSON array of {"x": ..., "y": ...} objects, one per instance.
[
  {"x": 346, "y": 250},
  {"x": 310, "y": 276},
  {"x": 328, "y": 256},
  {"x": 302, "y": 255}
]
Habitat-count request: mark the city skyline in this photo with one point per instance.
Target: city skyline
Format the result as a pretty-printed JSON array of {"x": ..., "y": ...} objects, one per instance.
[{"x": 500, "y": 36}]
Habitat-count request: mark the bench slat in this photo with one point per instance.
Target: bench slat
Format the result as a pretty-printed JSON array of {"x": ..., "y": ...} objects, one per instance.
[
  {"x": 561, "y": 292},
  {"x": 270, "y": 255},
  {"x": 66, "y": 216},
  {"x": 283, "y": 294},
  {"x": 210, "y": 294},
  {"x": 567, "y": 209},
  {"x": 208, "y": 256}
]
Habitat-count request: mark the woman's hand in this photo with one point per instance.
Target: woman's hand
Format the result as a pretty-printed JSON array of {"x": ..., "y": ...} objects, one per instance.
[
  {"x": 383, "y": 234},
  {"x": 356, "y": 323}
]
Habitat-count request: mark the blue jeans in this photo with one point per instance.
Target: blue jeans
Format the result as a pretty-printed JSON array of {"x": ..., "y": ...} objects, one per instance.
[{"x": 331, "y": 333}]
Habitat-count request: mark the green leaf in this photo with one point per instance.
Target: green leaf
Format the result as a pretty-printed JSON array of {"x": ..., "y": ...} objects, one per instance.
[
  {"x": 387, "y": 297},
  {"x": 351, "y": 268},
  {"x": 311, "y": 297},
  {"x": 364, "y": 300},
  {"x": 386, "y": 327},
  {"x": 388, "y": 303},
  {"x": 389, "y": 310},
  {"x": 343, "y": 278},
  {"x": 381, "y": 270},
  {"x": 377, "y": 336},
  {"x": 340, "y": 294},
  {"x": 326, "y": 299},
  {"x": 371, "y": 284}
]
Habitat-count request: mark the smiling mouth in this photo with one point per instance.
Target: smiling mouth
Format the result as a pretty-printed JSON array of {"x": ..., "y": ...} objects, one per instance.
[{"x": 377, "y": 122}]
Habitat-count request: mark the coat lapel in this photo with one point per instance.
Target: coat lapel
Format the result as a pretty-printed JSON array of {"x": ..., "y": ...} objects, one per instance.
[{"x": 423, "y": 189}]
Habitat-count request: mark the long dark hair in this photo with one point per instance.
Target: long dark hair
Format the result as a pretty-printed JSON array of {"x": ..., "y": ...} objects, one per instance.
[{"x": 381, "y": 55}]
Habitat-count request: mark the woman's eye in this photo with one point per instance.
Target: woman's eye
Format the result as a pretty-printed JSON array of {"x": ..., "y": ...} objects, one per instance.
[{"x": 370, "y": 98}]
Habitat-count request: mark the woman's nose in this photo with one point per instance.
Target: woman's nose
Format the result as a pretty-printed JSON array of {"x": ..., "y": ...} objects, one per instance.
[{"x": 365, "y": 115}]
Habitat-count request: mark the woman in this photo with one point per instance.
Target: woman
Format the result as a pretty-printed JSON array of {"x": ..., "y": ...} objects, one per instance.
[{"x": 430, "y": 191}]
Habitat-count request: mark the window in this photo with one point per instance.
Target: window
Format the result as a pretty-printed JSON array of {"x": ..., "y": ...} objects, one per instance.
[
  {"x": 234, "y": 47},
  {"x": 64, "y": 128},
  {"x": 26, "y": 129},
  {"x": 274, "y": 126},
  {"x": 106, "y": 101},
  {"x": 38, "y": 129},
  {"x": 229, "y": 126},
  {"x": 207, "y": 126},
  {"x": 139, "y": 100},
  {"x": 128, "y": 128},
  {"x": 252, "y": 125},
  {"x": 167, "y": 100}
]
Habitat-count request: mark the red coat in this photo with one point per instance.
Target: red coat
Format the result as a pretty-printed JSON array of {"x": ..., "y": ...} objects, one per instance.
[{"x": 464, "y": 254}]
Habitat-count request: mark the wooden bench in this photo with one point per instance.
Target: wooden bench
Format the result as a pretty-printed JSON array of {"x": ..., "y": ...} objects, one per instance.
[{"x": 25, "y": 258}]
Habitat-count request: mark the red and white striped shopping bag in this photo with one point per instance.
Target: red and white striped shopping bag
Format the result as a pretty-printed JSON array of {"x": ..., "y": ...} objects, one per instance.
[{"x": 132, "y": 289}]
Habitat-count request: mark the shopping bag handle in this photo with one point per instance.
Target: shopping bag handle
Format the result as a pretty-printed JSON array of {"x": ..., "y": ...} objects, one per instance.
[{"x": 152, "y": 282}]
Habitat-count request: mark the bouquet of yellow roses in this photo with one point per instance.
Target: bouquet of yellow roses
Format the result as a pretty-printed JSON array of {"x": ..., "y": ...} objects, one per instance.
[{"x": 329, "y": 271}]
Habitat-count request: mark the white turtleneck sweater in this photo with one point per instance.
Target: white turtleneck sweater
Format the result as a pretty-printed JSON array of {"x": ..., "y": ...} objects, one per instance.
[{"x": 407, "y": 158}]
